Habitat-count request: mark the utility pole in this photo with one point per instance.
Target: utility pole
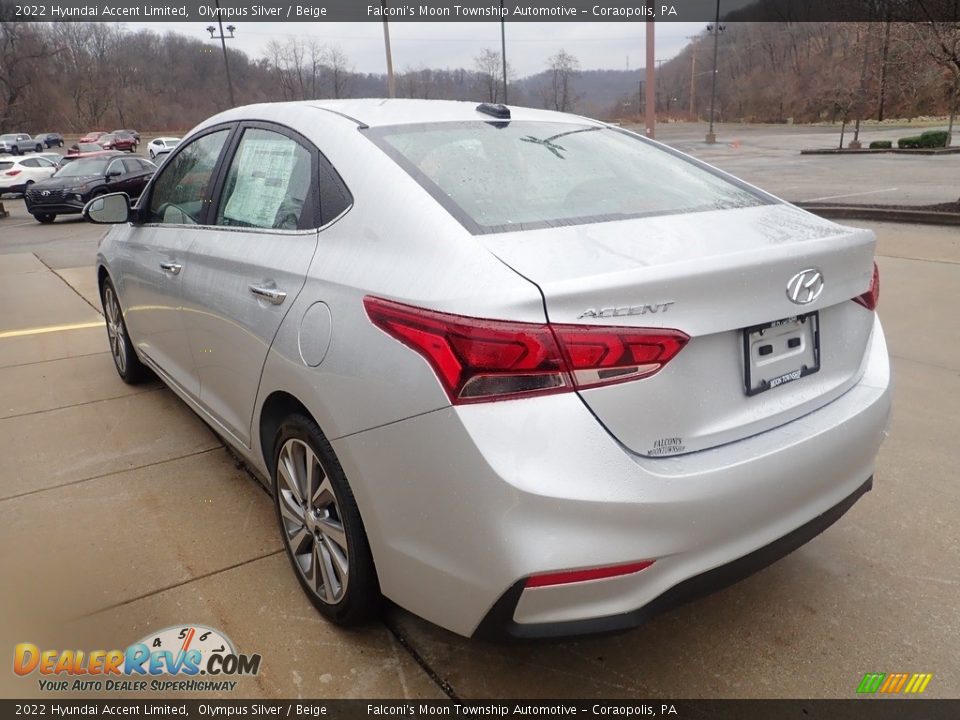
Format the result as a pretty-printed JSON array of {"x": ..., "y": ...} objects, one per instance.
[
  {"x": 223, "y": 43},
  {"x": 391, "y": 81},
  {"x": 503, "y": 50},
  {"x": 650, "y": 119},
  {"x": 711, "y": 135},
  {"x": 693, "y": 79}
]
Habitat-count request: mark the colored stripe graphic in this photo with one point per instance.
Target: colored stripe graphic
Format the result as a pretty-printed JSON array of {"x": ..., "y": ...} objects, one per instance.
[
  {"x": 871, "y": 682},
  {"x": 893, "y": 683},
  {"x": 918, "y": 683}
]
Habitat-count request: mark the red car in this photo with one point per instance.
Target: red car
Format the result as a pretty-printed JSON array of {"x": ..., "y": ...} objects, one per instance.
[
  {"x": 92, "y": 137},
  {"x": 118, "y": 141},
  {"x": 81, "y": 153}
]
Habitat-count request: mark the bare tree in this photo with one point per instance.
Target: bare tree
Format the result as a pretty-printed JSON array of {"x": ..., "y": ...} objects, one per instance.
[
  {"x": 22, "y": 48},
  {"x": 339, "y": 70},
  {"x": 562, "y": 69},
  {"x": 489, "y": 66}
]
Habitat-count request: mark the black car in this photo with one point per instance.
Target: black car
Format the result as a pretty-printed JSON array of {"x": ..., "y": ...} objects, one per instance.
[
  {"x": 50, "y": 139},
  {"x": 75, "y": 184}
]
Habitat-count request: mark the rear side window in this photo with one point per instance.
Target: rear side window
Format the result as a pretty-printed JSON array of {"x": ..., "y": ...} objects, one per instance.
[
  {"x": 499, "y": 177},
  {"x": 269, "y": 183},
  {"x": 180, "y": 190}
]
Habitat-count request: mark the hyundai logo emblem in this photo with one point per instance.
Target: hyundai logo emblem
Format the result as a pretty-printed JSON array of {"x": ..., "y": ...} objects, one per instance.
[
  {"x": 45, "y": 192},
  {"x": 805, "y": 286}
]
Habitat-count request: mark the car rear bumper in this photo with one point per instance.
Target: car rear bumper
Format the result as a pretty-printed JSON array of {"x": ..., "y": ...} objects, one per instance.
[{"x": 461, "y": 505}]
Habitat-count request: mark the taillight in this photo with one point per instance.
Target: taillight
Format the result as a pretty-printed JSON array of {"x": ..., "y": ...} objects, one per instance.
[
  {"x": 872, "y": 296},
  {"x": 480, "y": 360},
  {"x": 11, "y": 173}
]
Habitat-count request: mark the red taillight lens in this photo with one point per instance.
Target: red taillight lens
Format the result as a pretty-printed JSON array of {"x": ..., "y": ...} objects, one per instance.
[
  {"x": 480, "y": 360},
  {"x": 11, "y": 173},
  {"x": 872, "y": 296},
  {"x": 575, "y": 576},
  {"x": 603, "y": 355}
]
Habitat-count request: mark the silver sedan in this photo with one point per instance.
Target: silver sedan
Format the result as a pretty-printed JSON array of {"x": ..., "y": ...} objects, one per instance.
[{"x": 520, "y": 372}]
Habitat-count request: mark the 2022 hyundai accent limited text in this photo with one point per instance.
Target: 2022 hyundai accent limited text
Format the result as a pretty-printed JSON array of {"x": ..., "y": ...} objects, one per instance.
[{"x": 523, "y": 373}]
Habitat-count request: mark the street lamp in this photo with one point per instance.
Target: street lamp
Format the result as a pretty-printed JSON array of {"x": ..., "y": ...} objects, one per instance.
[
  {"x": 503, "y": 50},
  {"x": 223, "y": 43},
  {"x": 714, "y": 30}
]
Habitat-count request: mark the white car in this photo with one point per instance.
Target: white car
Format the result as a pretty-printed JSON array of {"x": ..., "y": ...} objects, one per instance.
[
  {"x": 161, "y": 146},
  {"x": 17, "y": 174}
]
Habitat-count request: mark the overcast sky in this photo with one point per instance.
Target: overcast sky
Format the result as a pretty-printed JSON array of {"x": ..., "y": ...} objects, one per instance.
[{"x": 441, "y": 45}]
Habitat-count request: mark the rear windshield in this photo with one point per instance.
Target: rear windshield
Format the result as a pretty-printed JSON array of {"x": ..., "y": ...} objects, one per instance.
[
  {"x": 5, "y": 165},
  {"x": 499, "y": 177}
]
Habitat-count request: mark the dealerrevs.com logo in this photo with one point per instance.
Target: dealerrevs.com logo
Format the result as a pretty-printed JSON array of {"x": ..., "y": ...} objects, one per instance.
[{"x": 175, "y": 659}]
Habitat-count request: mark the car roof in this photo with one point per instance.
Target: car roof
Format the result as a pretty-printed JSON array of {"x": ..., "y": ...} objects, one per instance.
[{"x": 374, "y": 112}]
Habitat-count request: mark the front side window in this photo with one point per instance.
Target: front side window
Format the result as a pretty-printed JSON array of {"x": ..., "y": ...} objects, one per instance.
[
  {"x": 269, "y": 183},
  {"x": 497, "y": 177},
  {"x": 180, "y": 191}
]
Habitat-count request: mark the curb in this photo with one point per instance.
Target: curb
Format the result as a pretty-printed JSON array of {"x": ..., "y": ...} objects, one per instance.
[
  {"x": 854, "y": 212},
  {"x": 874, "y": 151}
]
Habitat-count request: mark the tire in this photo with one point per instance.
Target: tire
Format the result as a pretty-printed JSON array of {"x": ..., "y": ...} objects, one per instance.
[
  {"x": 153, "y": 155},
  {"x": 39, "y": 148},
  {"x": 125, "y": 359},
  {"x": 61, "y": 143},
  {"x": 347, "y": 591},
  {"x": 26, "y": 187},
  {"x": 15, "y": 150},
  {"x": 45, "y": 218}
]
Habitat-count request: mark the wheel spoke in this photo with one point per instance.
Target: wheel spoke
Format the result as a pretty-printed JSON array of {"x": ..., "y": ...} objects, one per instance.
[
  {"x": 333, "y": 530},
  {"x": 288, "y": 474},
  {"x": 340, "y": 563},
  {"x": 290, "y": 510},
  {"x": 326, "y": 570},
  {"x": 312, "y": 476},
  {"x": 324, "y": 498},
  {"x": 300, "y": 539}
]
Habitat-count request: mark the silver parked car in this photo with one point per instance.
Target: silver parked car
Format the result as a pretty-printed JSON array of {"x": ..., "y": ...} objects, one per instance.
[{"x": 522, "y": 373}]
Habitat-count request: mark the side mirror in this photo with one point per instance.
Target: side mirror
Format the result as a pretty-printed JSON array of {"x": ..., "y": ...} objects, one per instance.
[
  {"x": 108, "y": 209},
  {"x": 114, "y": 173}
]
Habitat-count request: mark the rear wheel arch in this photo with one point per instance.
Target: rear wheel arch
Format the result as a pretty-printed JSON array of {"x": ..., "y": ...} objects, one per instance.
[{"x": 278, "y": 406}]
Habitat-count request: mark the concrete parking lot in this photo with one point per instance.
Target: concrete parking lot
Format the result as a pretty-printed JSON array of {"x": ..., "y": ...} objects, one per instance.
[
  {"x": 121, "y": 513},
  {"x": 769, "y": 156}
]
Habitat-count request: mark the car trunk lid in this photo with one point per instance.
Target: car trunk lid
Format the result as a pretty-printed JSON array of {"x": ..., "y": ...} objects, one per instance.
[{"x": 712, "y": 275}]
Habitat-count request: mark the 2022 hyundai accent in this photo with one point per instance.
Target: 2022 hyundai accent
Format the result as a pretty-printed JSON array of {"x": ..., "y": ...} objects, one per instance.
[{"x": 523, "y": 373}]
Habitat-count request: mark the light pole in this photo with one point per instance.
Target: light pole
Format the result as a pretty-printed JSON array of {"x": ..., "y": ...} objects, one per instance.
[
  {"x": 503, "y": 50},
  {"x": 391, "y": 82},
  {"x": 650, "y": 114},
  {"x": 716, "y": 29},
  {"x": 223, "y": 43}
]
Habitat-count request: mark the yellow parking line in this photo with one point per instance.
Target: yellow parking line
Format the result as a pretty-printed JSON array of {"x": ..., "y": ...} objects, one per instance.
[{"x": 49, "y": 329}]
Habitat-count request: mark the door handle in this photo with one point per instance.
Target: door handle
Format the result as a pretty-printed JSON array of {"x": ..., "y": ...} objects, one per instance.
[
  {"x": 271, "y": 295},
  {"x": 171, "y": 267}
]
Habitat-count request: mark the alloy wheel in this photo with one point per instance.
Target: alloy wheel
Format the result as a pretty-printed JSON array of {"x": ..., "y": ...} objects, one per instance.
[
  {"x": 115, "y": 332},
  {"x": 312, "y": 523}
]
